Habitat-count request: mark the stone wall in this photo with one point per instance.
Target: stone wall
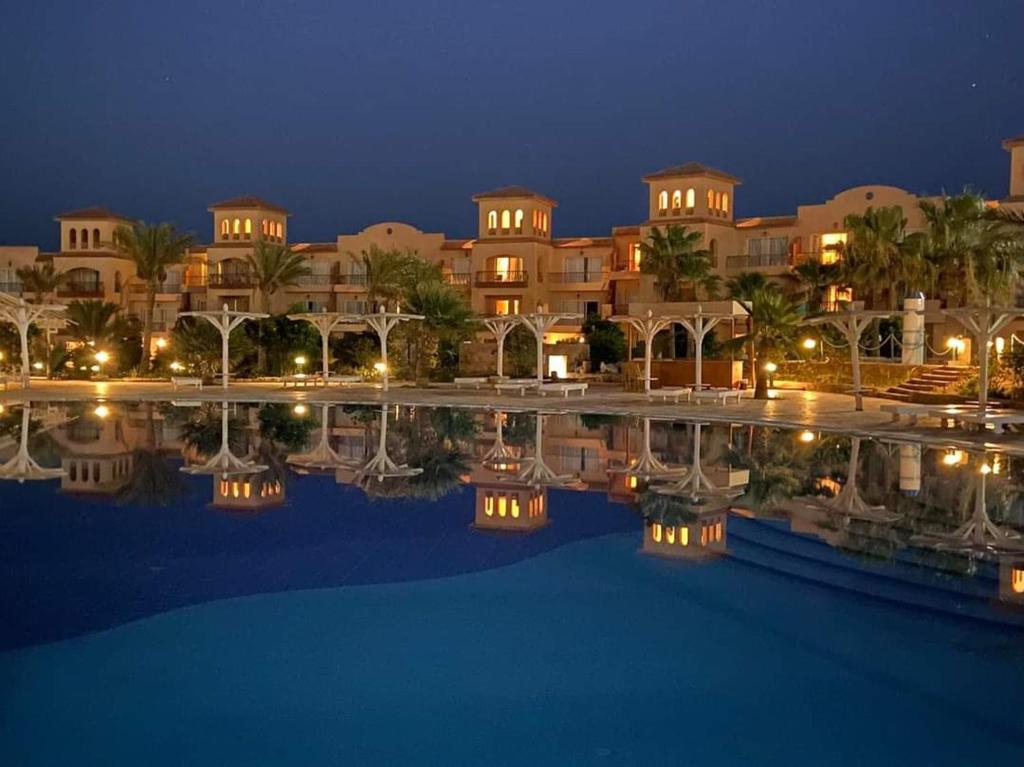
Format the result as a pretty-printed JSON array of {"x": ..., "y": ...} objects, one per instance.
[{"x": 874, "y": 375}]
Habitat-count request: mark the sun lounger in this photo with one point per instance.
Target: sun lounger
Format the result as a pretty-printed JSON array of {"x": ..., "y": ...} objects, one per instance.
[
  {"x": 300, "y": 379},
  {"x": 520, "y": 385},
  {"x": 343, "y": 380},
  {"x": 671, "y": 392},
  {"x": 721, "y": 396},
  {"x": 997, "y": 420},
  {"x": 177, "y": 381},
  {"x": 906, "y": 410},
  {"x": 475, "y": 381},
  {"x": 562, "y": 388}
]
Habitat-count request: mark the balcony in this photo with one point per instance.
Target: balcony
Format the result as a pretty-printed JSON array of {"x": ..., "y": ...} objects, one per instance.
[
  {"x": 313, "y": 282},
  {"x": 167, "y": 288},
  {"x": 14, "y": 288},
  {"x": 352, "y": 280},
  {"x": 195, "y": 282},
  {"x": 762, "y": 261},
  {"x": 458, "y": 279},
  {"x": 577, "y": 278},
  {"x": 501, "y": 279},
  {"x": 231, "y": 281},
  {"x": 81, "y": 290}
]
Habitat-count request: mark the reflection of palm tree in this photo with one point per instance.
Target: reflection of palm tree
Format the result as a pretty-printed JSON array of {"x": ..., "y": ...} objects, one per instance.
[
  {"x": 201, "y": 431},
  {"x": 774, "y": 470},
  {"x": 671, "y": 510},
  {"x": 154, "y": 481},
  {"x": 224, "y": 461}
]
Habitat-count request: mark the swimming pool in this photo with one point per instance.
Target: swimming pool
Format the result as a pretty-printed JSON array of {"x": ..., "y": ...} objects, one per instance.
[{"x": 228, "y": 583}]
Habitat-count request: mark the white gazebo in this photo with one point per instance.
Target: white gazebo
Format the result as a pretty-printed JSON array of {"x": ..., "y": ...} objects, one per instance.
[
  {"x": 499, "y": 456},
  {"x": 501, "y": 326},
  {"x": 225, "y": 463},
  {"x": 383, "y": 322},
  {"x": 983, "y": 323},
  {"x": 647, "y": 327},
  {"x": 321, "y": 456},
  {"x": 22, "y": 467},
  {"x": 326, "y": 322},
  {"x": 647, "y": 466},
  {"x": 381, "y": 466},
  {"x": 696, "y": 484},
  {"x": 849, "y": 503},
  {"x": 539, "y": 323},
  {"x": 535, "y": 471},
  {"x": 22, "y": 314},
  {"x": 225, "y": 321}
]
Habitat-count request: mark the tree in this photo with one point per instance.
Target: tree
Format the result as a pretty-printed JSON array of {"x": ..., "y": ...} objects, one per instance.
[
  {"x": 680, "y": 267},
  {"x": 154, "y": 480},
  {"x": 273, "y": 266},
  {"x": 95, "y": 323},
  {"x": 152, "y": 248},
  {"x": 744, "y": 287},
  {"x": 815, "y": 278},
  {"x": 392, "y": 273},
  {"x": 606, "y": 340},
  {"x": 197, "y": 345},
  {"x": 875, "y": 261},
  {"x": 775, "y": 324},
  {"x": 446, "y": 322},
  {"x": 41, "y": 281}
]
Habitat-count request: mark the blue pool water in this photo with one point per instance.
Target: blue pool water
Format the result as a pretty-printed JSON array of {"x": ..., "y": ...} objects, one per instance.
[{"x": 340, "y": 628}]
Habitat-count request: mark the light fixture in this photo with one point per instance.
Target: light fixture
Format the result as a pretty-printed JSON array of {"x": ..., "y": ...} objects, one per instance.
[
  {"x": 176, "y": 366},
  {"x": 807, "y": 436},
  {"x": 101, "y": 411},
  {"x": 300, "y": 409},
  {"x": 986, "y": 469},
  {"x": 809, "y": 343},
  {"x": 770, "y": 367},
  {"x": 161, "y": 343},
  {"x": 102, "y": 357},
  {"x": 953, "y": 457},
  {"x": 300, "y": 360},
  {"x": 95, "y": 368},
  {"x": 380, "y": 367},
  {"x": 38, "y": 365}
]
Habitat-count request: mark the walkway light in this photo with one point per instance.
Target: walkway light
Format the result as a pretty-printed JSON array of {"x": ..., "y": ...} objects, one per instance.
[
  {"x": 770, "y": 367},
  {"x": 176, "y": 366},
  {"x": 300, "y": 409},
  {"x": 953, "y": 457},
  {"x": 38, "y": 365},
  {"x": 809, "y": 344},
  {"x": 300, "y": 360},
  {"x": 101, "y": 411},
  {"x": 807, "y": 436},
  {"x": 102, "y": 357},
  {"x": 380, "y": 367},
  {"x": 161, "y": 343}
]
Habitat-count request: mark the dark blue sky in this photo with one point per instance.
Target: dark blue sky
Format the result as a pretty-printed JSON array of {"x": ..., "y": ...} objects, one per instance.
[{"x": 354, "y": 112}]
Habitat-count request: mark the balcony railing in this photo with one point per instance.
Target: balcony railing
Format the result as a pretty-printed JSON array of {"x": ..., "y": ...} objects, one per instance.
[
  {"x": 757, "y": 262},
  {"x": 167, "y": 287},
  {"x": 314, "y": 281},
  {"x": 232, "y": 280},
  {"x": 195, "y": 281},
  {"x": 81, "y": 290},
  {"x": 500, "y": 279},
  {"x": 11, "y": 287},
  {"x": 352, "y": 278},
  {"x": 459, "y": 279},
  {"x": 561, "y": 278}
]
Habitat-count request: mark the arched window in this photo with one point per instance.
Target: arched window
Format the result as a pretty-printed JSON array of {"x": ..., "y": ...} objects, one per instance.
[
  {"x": 236, "y": 227},
  {"x": 519, "y": 220},
  {"x": 279, "y": 229},
  {"x": 248, "y": 228},
  {"x": 544, "y": 222},
  {"x": 691, "y": 198},
  {"x": 117, "y": 282},
  {"x": 95, "y": 238},
  {"x": 662, "y": 202},
  {"x": 725, "y": 202},
  {"x": 677, "y": 200},
  {"x": 225, "y": 228},
  {"x": 492, "y": 221},
  {"x": 506, "y": 220},
  {"x": 713, "y": 248},
  {"x": 711, "y": 199},
  {"x": 718, "y": 200},
  {"x": 73, "y": 239},
  {"x": 85, "y": 239},
  {"x": 656, "y": 532}
]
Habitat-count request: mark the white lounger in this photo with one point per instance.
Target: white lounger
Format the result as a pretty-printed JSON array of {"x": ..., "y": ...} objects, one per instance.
[
  {"x": 911, "y": 411},
  {"x": 300, "y": 379},
  {"x": 520, "y": 385},
  {"x": 998, "y": 421},
  {"x": 671, "y": 392},
  {"x": 475, "y": 381},
  {"x": 177, "y": 381},
  {"x": 721, "y": 396},
  {"x": 563, "y": 389},
  {"x": 343, "y": 380}
]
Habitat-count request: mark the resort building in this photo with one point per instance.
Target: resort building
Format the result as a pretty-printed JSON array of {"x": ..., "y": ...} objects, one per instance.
[{"x": 512, "y": 264}]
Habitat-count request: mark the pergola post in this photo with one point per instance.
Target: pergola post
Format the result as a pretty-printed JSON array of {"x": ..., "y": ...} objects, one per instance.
[
  {"x": 22, "y": 466},
  {"x": 325, "y": 322},
  {"x": 540, "y": 323},
  {"x": 701, "y": 325},
  {"x": 983, "y": 322},
  {"x": 648, "y": 327},
  {"x": 224, "y": 462},
  {"x": 225, "y": 321},
  {"x": 383, "y": 322},
  {"x": 501, "y": 326},
  {"x": 22, "y": 315}
]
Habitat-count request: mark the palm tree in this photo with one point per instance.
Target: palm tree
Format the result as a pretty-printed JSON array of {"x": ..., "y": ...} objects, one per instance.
[
  {"x": 273, "y": 266},
  {"x": 152, "y": 248},
  {"x": 680, "y": 267},
  {"x": 744, "y": 287},
  {"x": 154, "y": 480},
  {"x": 774, "y": 326},
  {"x": 874, "y": 253},
  {"x": 446, "y": 321},
  {"x": 389, "y": 273},
  {"x": 815, "y": 277},
  {"x": 197, "y": 344},
  {"x": 41, "y": 281},
  {"x": 94, "y": 322}
]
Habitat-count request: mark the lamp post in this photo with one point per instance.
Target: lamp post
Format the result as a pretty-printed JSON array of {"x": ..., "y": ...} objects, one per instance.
[
  {"x": 540, "y": 322},
  {"x": 383, "y": 322}
]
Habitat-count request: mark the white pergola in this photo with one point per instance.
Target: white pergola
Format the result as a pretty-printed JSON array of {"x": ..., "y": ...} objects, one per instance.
[
  {"x": 499, "y": 456},
  {"x": 224, "y": 462},
  {"x": 648, "y": 466},
  {"x": 382, "y": 466},
  {"x": 501, "y": 326},
  {"x": 849, "y": 503},
  {"x": 852, "y": 321},
  {"x": 383, "y": 322},
  {"x": 225, "y": 321},
  {"x": 540, "y": 323},
  {"x": 22, "y": 314},
  {"x": 696, "y": 484},
  {"x": 983, "y": 322},
  {"x": 326, "y": 322},
  {"x": 322, "y": 456},
  {"x": 648, "y": 327},
  {"x": 22, "y": 467},
  {"x": 535, "y": 471}
]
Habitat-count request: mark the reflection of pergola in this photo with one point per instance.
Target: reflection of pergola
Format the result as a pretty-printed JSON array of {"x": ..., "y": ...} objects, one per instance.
[
  {"x": 381, "y": 466},
  {"x": 978, "y": 534},
  {"x": 696, "y": 484},
  {"x": 500, "y": 457},
  {"x": 983, "y": 322},
  {"x": 501, "y": 326},
  {"x": 540, "y": 323},
  {"x": 326, "y": 322},
  {"x": 224, "y": 462},
  {"x": 225, "y": 321},
  {"x": 852, "y": 321},
  {"x": 849, "y": 503},
  {"x": 22, "y": 467},
  {"x": 535, "y": 471},
  {"x": 322, "y": 456},
  {"x": 648, "y": 327},
  {"x": 22, "y": 315},
  {"x": 647, "y": 466},
  {"x": 383, "y": 322}
]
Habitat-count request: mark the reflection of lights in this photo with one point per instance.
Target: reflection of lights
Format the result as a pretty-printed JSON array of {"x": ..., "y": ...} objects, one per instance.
[
  {"x": 300, "y": 409},
  {"x": 953, "y": 457},
  {"x": 161, "y": 343},
  {"x": 809, "y": 343},
  {"x": 380, "y": 367},
  {"x": 807, "y": 436},
  {"x": 102, "y": 357},
  {"x": 1017, "y": 580},
  {"x": 770, "y": 367},
  {"x": 997, "y": 464},
  {"x": 101, "y": 411},
  {"x": 633, "y": 482},
  {"x": 1000, "y": 345}
]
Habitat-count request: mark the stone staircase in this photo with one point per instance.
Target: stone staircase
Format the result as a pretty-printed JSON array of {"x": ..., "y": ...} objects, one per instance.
[{"x": 933, "y": 381}]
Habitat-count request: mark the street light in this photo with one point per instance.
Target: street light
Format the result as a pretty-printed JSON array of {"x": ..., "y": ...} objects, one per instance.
[
  {"x": 101, "y": 411},
  {"x": 300, "y": 409},
  {"x": 809, "y": 344},
  {"x": 300, "y": 361},
  {"x": 807, "y": 436}
]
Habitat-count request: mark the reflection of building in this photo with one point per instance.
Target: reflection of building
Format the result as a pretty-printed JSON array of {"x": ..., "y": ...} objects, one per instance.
[
  {"x": 95, "y": 457},
  {"x": 247, "y": 492},
  {"x": 702, "y": 538},
  {"x": 1011, "y": 581},
  {"x": 512, "y": 508}
]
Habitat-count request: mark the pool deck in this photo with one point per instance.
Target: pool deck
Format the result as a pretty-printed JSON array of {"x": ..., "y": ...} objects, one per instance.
[{"x": 787, "y": 409}]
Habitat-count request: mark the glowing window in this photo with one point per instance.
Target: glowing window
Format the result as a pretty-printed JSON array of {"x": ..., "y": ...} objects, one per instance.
[
  {"x": 718, "y": 200},
  {"x": 831, "y": 244},
  {"x": 1017, "y": 580},
  {"x": 225, "y": 227},
  {"x": 519, "y": 221},
  {"x": 223, "y": 487},
  {"x": 514, "y": 507},
  {"x": 636, "y": 257},
  {"x": 725, "y": 202},
  {"x": 502, "y": 505},
  {"x": 633, "y": 482},
  {"x": 279, "y": 229},
  {"x": 236, "y": 226},
  {"x": 670, "y": 535},
  {"x": 544, "y": 222},
  {"x": 248, "y": 227},
  {"x": 663, "y": 202},
  {"x": 247, "y": 489},
  {"x": 506, "y": 306},
  {"x": 684, "y": 536},
  {"x": 489, "y": 505},
  {"x": 85, "y": 238},
  {"x": 492, "y": 220},
  {"x": 506, "y": 219},
  {"x": 264, "y": 227},
  {"x": 677, "y": 200},
  {"x": 691, "y": 198},
  {"x": 718, "y": 532},
  {"x": 235, "y": 490},
  {"x": 703, "y": 535},
  {"x": 711, "y": 199},
  {"x": 656, "y": 532}
]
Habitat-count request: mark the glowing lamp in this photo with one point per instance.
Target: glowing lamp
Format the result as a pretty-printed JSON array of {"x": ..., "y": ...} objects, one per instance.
[
  {"x": 176, "y": 366},
  {"x": 38, "y": 365},
  {"x": 161, "y": 343},
  {"x": 953, "y": 457},
  {"x": 807, "y": 436},
  {"x": 300, "y": 360},
  {"x": 300, "y": 409},
  {"x": 380, "y": 367},
  {"x": 809, "y": 344},
  {"x": 770, "y": 367},
  {"x": 102, "y": 357},
  {"x": 101, "y": 411}
]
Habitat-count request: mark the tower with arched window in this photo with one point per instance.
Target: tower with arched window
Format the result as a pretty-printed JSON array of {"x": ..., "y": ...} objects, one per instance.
[
  {"x": 510, "y": 507},
  {"x": 689, "y": 193},
  {"x": 1015, "y": 146},
  {"x": 514, "y": 211}
]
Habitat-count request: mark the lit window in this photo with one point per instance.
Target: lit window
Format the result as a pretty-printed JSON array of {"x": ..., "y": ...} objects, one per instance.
[
  {"x": 1017, "y": 580},
  {"x": 492, "y": 220},
  {"x": 663, "y": 202},
  {"x": 502, "y": 505},
  {"x": 725, "y": 202},
  {"x": 691, "y": 198},
  {"x": 264, "y": 227},
  {"x": 225, "y": 227},
  {"x": 831, "y": 244},
  {"x": 633, "y": 482},
  {"x": 506, "y": 220},
  {"x": 718, "y": 532},
  {"x": 637, "y": 257},
  {"x": 718, "y": 200},
  {"x": 711, "y": 199},
  {"x": 279, "y": 228},
  {"x": 544, "y": 222},
  {"x": 514, "y": 507},
  {"x": 489, "y": 505},
  {"x": 656, "y": 532},
  {"x": 519, "y": 221},
  {"x": 677, "y": 200},
  {"x": 670, "y": 535},
  {"x": 684, "y": 536},
  {"x": 248, "y": 227}
]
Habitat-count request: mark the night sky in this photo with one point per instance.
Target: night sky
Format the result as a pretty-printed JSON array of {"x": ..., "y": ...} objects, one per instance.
[{"x": 349, "y": 113}]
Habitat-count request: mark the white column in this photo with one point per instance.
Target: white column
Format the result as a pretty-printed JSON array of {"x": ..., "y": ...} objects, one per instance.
[{"x": 913, "y": 331}]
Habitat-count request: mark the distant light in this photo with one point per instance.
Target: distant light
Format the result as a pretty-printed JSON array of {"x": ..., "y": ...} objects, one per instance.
[
  {"x": 101, "y": 411},
  {"x": 102, "y": 357},
  {"x": 38, "y": 365},
  {"x": 161, "y": 343},
  {"x": 986, "y": 469},
  {"x": 95, "y": 368},
  {"x": 300, "y": 409},
  {"x": 807, "y": 436},
  {"x": 380, "y": 367},
  {"x": 809, "y": 343},
  {"x": 770, "y": 367},
  {"x": 300, "y": 360},
  {"x": 953, "y": 457},
  {"x": 176, "y": 366}
]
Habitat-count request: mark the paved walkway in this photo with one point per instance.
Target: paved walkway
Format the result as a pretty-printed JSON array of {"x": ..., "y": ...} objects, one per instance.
[{"x": 790, "y": 409}]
